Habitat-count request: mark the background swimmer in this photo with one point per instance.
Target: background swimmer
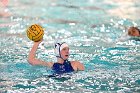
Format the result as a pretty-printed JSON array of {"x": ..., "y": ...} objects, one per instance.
[{"x": 134, "y": 31}]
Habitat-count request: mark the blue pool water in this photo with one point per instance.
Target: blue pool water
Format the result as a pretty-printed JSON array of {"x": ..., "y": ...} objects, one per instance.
[{"x": 92, "y": 28}]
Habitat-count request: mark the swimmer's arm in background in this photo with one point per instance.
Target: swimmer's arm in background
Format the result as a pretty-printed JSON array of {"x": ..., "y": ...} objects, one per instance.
[{"x": 34, "y": 61}]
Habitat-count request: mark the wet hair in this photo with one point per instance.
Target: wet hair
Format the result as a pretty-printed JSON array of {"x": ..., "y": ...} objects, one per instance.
[{"x": 132, "y": 30}]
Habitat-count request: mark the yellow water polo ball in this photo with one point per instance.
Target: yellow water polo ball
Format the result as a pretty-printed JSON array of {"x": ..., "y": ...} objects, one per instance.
[{"x": 35, "y": 32}]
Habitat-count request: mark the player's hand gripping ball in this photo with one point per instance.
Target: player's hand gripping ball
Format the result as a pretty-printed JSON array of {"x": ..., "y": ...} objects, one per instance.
[{"x": 35, "y": 32}]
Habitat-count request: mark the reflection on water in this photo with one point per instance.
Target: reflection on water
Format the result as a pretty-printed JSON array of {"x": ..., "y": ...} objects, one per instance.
[{"x": 91, "y": 28}]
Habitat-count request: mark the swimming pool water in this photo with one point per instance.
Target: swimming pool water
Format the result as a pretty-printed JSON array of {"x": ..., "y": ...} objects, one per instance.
[{"x": 92, "y": 28}]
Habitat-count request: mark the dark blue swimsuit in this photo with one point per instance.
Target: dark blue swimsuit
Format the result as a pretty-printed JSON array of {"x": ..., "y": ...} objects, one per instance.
[{"x": 62, "y": 68}]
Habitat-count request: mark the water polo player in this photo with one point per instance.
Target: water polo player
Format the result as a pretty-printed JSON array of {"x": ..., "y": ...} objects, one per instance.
[{"x": 62, "y": 65}]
